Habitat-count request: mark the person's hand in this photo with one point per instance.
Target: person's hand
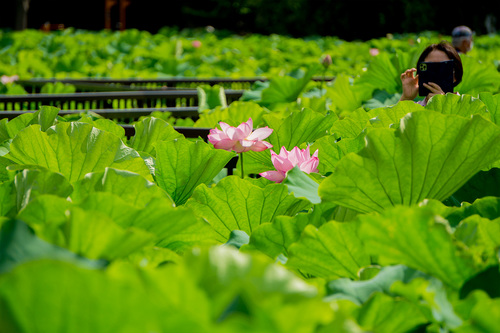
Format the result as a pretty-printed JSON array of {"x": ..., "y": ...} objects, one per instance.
[
  {"x": 410, "y": 85},
  {"x": 434, "y": 90}
]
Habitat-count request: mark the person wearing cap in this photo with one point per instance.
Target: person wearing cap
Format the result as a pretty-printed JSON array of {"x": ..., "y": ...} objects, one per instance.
[{"x": 462, "y": 39}]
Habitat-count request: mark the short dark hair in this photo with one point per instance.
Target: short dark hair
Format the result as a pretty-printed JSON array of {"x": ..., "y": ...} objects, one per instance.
[{"x": 450, "y": 51}]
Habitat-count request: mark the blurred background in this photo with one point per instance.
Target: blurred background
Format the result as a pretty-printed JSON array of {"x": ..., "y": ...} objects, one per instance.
[{"x": 349, "y": 20}]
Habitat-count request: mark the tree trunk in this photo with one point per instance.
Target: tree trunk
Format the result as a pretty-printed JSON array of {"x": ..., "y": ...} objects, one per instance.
[{"x": 22, "y": 14}]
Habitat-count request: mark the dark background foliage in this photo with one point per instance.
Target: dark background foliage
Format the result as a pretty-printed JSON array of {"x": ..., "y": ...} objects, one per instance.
[{"x": 349, "y": 20}]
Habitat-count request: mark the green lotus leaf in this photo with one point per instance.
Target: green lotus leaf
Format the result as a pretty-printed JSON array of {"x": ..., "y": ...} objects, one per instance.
[
  {"x": 390, "y": 116},
  {"x": 251, "y": 286},
  {"x": 478, "y": 77},
  {"x": 175, "y": 228},
  {"x": 482, "y": 237},
  {"x": 89, "y": 233},
  {"x": 342, "y": 94},
  {"x": 332, "y": 251},
  {"x": 488, "y": 207},
  {"x": 149, "y": 132},
  {"x": 31, "y": 183},
  {"x": 331, "y": 150},
  {"x": 300, "y": 127},
  {"x": 132, "y": 187},
  {"x": 286, "y": 89},
  {"x": 302, "y": 185},
  {"x": 484, "y": 317},
  {"x": 360, "y": 291},
  {"x": 45, "y": 117},
  {"x": 55, "y": 296},
  {"x": 493, "y": 104},
  {"x": 74, "y": 149},
  {"x": 419, "y": 239},
  {"x": 274, "y": 238},
  {"x": 18, "y": 244},
  {"x": 430, "y": 156},
  {"x": 181, "y": 165},
  {"x": 237, "y": 204},
  {"x": 104, "y": 125},
  {"x": 8, "y": 199},
  {"x": 463, "y": 105},
  {"x": 383, "y": 313},
  {"x": 351, "y": 125},
  {"x": 430, "y": 296}
]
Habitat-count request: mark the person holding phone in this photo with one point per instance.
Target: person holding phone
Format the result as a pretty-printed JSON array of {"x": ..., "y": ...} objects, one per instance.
[{"x": 443, "y": 70}]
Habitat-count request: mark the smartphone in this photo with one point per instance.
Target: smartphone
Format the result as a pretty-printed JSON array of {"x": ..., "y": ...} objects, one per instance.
[{"x": 440, "y": 73}]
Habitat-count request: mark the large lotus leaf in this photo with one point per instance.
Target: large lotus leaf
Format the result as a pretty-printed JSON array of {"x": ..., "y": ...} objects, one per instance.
[
  {"x": 484, "y": 317},
  {"x": 237, "y": 113},
  {"x": 493, "y": 104},
  {"x": 18, "y": 244},
  {"x": 46, "y": 214},
  {"x": 300, "y": 127},
  {"x": 331, "y": 150},
  {"x": 334, "y": 250},
  {"x": 488, "y": 207},
  {"x": 286, "y": 89},
  {"x": 181, "y": 165},
  {"x": 74, "y": 149},
  {"x": 8, "y": 199},
  {"x": 237, "y": 204},
  {"x": 432, "y": 299},
  {"x": 176, "y": 228},
  {"x": 302, "y": 185},
  {"x": 343, "y": 95},
  {"x": 430, "y": 156},
  {"x": 383, "y": 313},
  {"x": 9, "y": 129},
  {"x": 254, "y": 288},
  {"x": 360, "y": 291},
  {"x": 274, "y": 238},
  {"x": 463, "y": 105},
  {"x": 391, "y": 116},
  {"x": 153, "y": 257},
  {"x": 131, "y": 187},
  {"x": 104, "y": 125},
  {"x": 382, "y": 74},
  {"x": 149, "y": 132},
  {"x": 352, "y": 124},
  {"x": 31, "y": 183},
  {"x": 52, "y": 296},
  {"x": 478, "y": 77},
  {"x": 419, "y": 239},
  {"x": 45, "y": 117},
  {"x": 482, "y": 237},
  {"x": 92, "y": 234}
]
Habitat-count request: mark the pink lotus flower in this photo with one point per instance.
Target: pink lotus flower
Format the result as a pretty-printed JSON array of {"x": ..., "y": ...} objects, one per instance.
[
  {"x": 241, "y": 138},
  {"x": 196, "y": 44},
  {"x": 9, "y": 79},
  {"x": 287, "y": 160},
  {"x": 374, "y": 51}
]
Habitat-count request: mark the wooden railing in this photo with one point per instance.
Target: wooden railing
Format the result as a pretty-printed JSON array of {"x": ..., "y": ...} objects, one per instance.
[
  {"x": 108, "y": 84},
  {"x": 108, "y": 100}
]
